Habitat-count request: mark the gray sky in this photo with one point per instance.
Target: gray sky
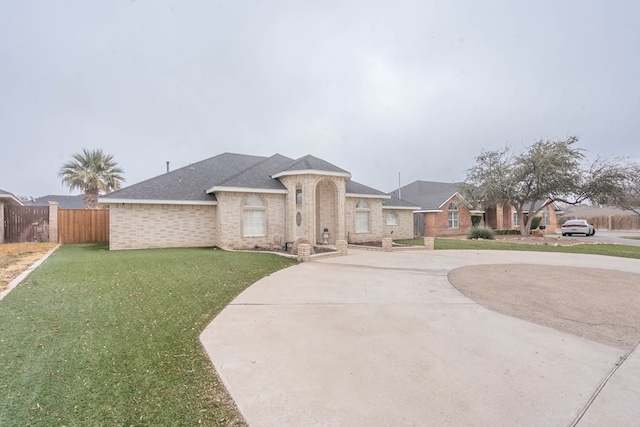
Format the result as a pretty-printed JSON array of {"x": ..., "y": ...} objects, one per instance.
[{"x": 377, "y": 88}]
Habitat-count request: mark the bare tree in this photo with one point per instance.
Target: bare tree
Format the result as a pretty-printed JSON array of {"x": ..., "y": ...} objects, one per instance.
[{"x": 548, "y": 172}]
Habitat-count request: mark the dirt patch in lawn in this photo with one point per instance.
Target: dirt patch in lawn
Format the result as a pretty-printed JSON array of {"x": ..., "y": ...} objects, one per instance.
[
  {"x": 17, "y": 257},
  {"x": 600, "y": 305}
]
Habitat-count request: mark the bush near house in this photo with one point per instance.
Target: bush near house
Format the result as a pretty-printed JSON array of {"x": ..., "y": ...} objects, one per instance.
[{"x": 477, "y": 232}]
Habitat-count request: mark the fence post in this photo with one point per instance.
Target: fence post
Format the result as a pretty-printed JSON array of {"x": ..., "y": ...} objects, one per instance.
[
  {"x": 1, "y": 222},
  {"x": 53, "y": 222}
]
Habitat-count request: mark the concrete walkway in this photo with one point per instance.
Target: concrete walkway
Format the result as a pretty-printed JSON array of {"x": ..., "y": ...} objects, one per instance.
[{"x": 383, "y": 339}]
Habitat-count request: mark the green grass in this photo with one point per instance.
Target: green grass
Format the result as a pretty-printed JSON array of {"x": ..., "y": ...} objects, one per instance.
[
  {"x": 597, "y": 249},
  {"x": 110, "y": 338}
]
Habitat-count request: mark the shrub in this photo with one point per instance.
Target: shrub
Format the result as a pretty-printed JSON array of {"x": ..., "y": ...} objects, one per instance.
[
  {"x": 535, "y": 222},
  {"x": 506, "y": 232},
  {"x": 480, "y": 233}
]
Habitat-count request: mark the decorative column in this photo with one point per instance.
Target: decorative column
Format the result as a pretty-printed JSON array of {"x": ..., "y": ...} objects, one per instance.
[
  {"x": 304, "y": 252},
  {"x": 53, "y": 222},
  {"x": 387, "y": 243},
  {"x": 429, "y": 243}
]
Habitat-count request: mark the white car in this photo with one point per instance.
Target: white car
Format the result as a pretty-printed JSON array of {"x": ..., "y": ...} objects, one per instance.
[{"x": 578, "y": 226}]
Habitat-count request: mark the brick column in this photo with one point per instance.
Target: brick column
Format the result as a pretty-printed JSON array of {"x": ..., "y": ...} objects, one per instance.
[
  {"x": 386, "y": 244},
  {"x": 341, "y": 245},
  {"x": 304, "y": 252},
  {"x": 53, "y": 222},
  {"x": 429, "y": 243}
]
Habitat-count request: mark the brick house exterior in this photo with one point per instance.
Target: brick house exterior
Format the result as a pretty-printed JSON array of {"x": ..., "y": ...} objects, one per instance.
[
  {"x": 444, "y": 212},
  {"x": 237, "y": 201},
  {"x": 504, "y": 217},
  {"x": 9, "y": 199}
]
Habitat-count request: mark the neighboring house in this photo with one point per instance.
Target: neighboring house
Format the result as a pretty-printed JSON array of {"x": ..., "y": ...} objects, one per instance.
[
  {"x": 444, "y": 212},
  {"x": 505, "y": 217},
  {"x": 9, "y": 199},
  {"x": 64, "y": 201},
  {"x": 241, "y": 201}
]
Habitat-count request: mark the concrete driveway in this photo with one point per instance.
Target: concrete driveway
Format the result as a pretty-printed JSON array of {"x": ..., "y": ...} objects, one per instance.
[{"x": 384, "y": 339}]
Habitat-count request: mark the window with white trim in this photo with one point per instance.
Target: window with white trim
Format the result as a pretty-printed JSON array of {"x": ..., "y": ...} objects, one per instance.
[
  {"x": 453, "y": 216},
  {"x": 516, "y": 219},
  {"x": 545, "y": 218},
  {"x": 362, "y": 216},
  {"x": 392, "y": 218},
  {"x": 254, "y": 217}
]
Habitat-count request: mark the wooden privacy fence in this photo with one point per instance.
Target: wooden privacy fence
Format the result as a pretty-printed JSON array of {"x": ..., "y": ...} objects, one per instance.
[
  {"x": 611, "y": 222},
  {"x": 26, "y": 224},
  {"x": 83, "y": 226}
]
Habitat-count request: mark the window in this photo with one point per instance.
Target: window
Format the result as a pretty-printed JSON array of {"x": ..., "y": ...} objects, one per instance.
[
  {"x": 545, "y": 218},
  {"x": 298, "y": 196},
  {"x": 362, "y": 216},
  {"x": 516, "y": 219},
  {"x": 254, "y": 217},
  {"x": 453, "y": 215},
  {"x": 392, "y": 218}
]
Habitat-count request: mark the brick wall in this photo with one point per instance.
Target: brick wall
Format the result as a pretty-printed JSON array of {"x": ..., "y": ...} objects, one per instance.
[
  {"x": 322, "y": 206},
  {"x": 140, "y": 226},
  {"x": 404, "y": 229},
  {"x": 230, "y": 215},
  {"x": 437, "y": 223},
  {"x": 326, "y": 211},
  {"x": 376, "y": 221}
]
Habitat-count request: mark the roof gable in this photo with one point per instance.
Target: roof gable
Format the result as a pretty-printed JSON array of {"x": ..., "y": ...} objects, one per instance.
[
  {"x": 257, "y": 176},
  {"x": 10, "y": 199},
  {"x": 429, "y": 195},
  {"x": 310, "y": 164}
]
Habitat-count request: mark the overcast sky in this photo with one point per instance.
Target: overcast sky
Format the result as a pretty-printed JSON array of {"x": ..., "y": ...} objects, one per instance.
[{"x": 375, "y": 87}]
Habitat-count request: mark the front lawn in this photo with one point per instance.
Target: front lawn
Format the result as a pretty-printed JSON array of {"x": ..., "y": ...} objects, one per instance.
[
  {"x": 110, "y": 338},
  {"x": 597, "y": 249}
]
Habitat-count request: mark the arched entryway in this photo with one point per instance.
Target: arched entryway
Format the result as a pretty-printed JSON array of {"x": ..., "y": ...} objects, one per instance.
[{"x": 326, "y": 210}]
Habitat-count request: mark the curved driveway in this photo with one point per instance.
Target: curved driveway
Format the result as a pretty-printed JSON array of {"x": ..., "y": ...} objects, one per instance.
[{"x": 383, "y": 339}]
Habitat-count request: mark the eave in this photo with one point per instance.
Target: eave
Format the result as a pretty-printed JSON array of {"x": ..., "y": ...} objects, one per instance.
[
  {"x": 312, "y": 172},
  {"x": 219, "y": 188},
  {"x": 368, "y": 196},
  {"x": 157, "y": 202}
]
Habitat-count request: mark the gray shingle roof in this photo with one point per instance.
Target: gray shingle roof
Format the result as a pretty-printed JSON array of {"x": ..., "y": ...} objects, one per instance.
[
  {"x": 9, "y": 198},
  {"x": 398, "y": 203},
  {"x": 192, "y": 182},
  {"x": 64, "y": 201},
  {"x": 353, "y": 187},
  {"x": 429, "y": 195},
  {"x": 258, "y": 175},
  {"x": 310, "y": 163}
]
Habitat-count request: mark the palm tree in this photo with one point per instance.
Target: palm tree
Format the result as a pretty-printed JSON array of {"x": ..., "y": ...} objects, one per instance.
[{"x": 92, "y": 172}]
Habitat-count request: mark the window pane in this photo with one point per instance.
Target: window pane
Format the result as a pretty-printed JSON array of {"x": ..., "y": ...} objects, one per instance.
[
  {"x": 362, "y": 222},
  {"x": 254, "y": 223},
  {"x": 361, "y": 204},
  {"x": 253, "y": 200},
  {"x": 392, "y": 218},
  {"x": 453, "y": 219}
]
